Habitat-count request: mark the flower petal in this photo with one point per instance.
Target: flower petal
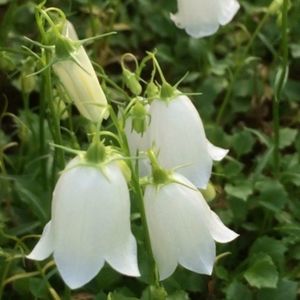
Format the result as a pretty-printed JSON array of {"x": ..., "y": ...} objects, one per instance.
[
  {"x": 195, "y": 243},
  {"x": 78, "y": 250},
  {"x": 44, "y": 247},
  {"x": 120, "y": 245},
  {"x": 216, "y": 153},
  {"x": 160, "y": 228},
  {"x": 227, "y": 10},
  {"x": 123, "y": 257},
  {"x": 138, "y": 142},
  {"x": 202, "y": 18},
  {"x": 178, "y": 230},
  {"x": 174, "y": 127},
  {"x": 92, "y": 206},
  {"x": 219, "y": 231}
]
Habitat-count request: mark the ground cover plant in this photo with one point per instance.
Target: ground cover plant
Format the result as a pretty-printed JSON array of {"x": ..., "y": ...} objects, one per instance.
[{"x": 123, "y": 170}]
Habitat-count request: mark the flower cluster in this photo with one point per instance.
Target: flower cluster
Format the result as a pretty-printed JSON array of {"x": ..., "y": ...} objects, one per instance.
[{"x": 90, "y": 222}]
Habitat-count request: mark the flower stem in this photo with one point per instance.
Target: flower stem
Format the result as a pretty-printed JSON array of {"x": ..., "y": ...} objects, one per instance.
[
  {"x": 42, "y": 140},
  {"x": 279, "y": 85},
  {"x": 53, "y": 117},
  {"x": 139, "y": 195}
]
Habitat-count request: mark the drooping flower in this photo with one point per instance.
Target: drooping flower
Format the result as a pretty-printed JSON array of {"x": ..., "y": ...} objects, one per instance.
[
  {"x": 78, "y": 77},
  {"x": 90, "y": 223},
  {"x": 182, "y": 227},
  {"x": 202, "y": 18},
  {"x": 177, "y": 132}
]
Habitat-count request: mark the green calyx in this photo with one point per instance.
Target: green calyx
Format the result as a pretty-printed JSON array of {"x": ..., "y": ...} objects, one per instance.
[
  {"x": 152, "y": 90},
  {"x": 64, "y": 47},
  {"x": 140, "y": 117},
  {"x": 160, "y": 176},
  {"x": 96, "y": 153},
  {"x": 167, "y": 91}
]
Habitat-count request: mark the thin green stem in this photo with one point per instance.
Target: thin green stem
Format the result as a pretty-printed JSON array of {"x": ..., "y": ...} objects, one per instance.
[
  {"x": 53, "y": 117},
  {"x": 42, "y": 141},
  {"x": 279, "y": 86},
  {"x": 239, "y": 66},
  {"x": 139, "y": 195},
  {"x": 47, "y": 99}
]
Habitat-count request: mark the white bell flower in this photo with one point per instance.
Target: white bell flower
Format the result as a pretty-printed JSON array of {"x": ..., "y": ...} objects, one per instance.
[
  {"x": 90, "y": 224},
  {"x": 202, "y": 18},
  {"x": 177, "y": 133},
  {"x": 182, "y": 227},
  {"x": 78, "y": 77}
]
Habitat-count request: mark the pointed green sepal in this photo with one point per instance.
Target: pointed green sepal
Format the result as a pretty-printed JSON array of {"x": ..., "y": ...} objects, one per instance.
[{"x": 96, "y": 153}]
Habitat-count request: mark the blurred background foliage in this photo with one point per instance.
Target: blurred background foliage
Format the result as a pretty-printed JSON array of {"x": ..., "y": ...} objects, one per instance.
[{"x": 236, "y": 71}]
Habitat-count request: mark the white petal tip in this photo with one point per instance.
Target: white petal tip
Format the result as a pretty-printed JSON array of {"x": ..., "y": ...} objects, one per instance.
[
  {"x": 219, "y": 231},
  {"x": 134, "y": 273},
  {"x": 44, "y": 246},
  {"x": 216, "y": 153}
]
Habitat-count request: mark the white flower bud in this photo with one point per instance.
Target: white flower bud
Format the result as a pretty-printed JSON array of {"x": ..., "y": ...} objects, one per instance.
[{"x": 80, "y": 81}]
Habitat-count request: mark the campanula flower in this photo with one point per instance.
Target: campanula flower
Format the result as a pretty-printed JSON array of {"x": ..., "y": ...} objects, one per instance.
[
  {"x": 176, "y": 131},
  {"x": 90, "y": 223},
  {"x": 202, "y": 18},
  {"x": 182, "y": 227}
]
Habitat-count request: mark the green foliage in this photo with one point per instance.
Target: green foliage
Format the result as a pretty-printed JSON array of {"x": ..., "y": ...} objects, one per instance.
[{"x": 239, "y": 72}]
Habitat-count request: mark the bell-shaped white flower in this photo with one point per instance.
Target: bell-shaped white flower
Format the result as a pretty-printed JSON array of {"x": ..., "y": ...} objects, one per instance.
[
  {"x": 182, "y": 227},
  {"x": 90, "y": 224},
  {"x": 78, "y": 77},
  {"x": 177, "y": 132},
  {"x": 202, "y": 18}
]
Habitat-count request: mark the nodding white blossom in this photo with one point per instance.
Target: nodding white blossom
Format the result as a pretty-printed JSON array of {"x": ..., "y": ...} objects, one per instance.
[
  {"x": 176, "y": 131},
  {"x": 78, "y": 77},
  {"x": 182, "y": 227},
  {"x": 202, "y": 18},
  {"x": 90, "y": 224}
]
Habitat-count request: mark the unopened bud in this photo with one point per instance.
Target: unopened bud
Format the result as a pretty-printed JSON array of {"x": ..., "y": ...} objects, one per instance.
[
  {"x": 209, "y": 193},
  {"x": 132, "y": 82},
  {"x": 139, "y": 116}
]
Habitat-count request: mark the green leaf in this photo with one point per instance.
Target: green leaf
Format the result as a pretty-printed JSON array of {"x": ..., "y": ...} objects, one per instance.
[
  {"x": 238, "y": 291},
  {"x": 233, "y": 168},
  {"x": 286, "y": 290},
  {"x": 38, "y": 287},
  {"x": 272, "y": 194},
  {"x": 274, "y": 248},
  {"x": 152, "y": 292},
  {"x": 287, "y": 137},
  {"x": 239, "y": 209},
  {"x": 185, "y": 280},
  {"x": 262, "y": 272},
  {"x": 241, "y": 191},
  {"x": 243, "y": 142},
  {"x": 179, "y": 295}
]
